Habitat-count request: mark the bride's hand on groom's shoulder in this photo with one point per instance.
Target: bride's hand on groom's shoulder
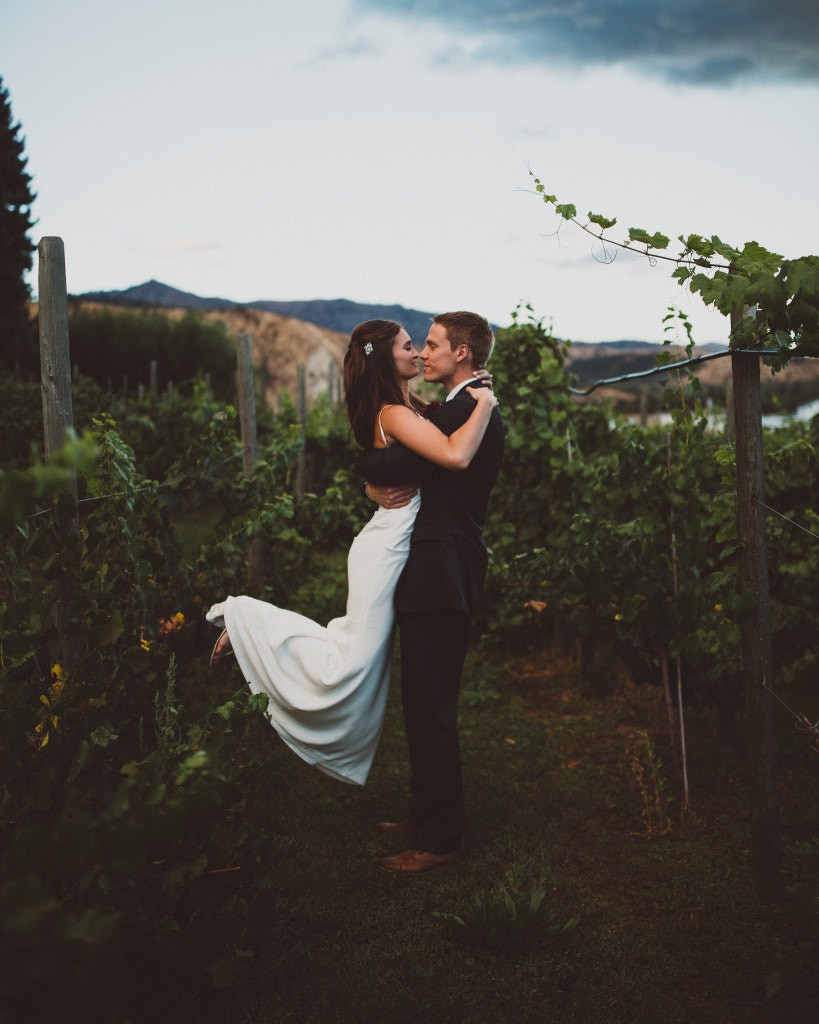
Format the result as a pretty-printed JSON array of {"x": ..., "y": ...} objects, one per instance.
[{"x": 483, "y": 392}]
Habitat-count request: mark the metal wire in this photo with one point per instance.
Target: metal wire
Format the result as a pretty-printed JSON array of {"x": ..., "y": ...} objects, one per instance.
[{"x": 671, "y": 366}]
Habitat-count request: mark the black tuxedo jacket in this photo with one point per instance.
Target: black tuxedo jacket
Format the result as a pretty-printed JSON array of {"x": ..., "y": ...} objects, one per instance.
[{"x": 446, "y": 567}]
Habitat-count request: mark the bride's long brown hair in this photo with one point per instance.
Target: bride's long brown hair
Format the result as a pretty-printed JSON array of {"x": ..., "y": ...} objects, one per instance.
[{"x": 371, "y": 379}]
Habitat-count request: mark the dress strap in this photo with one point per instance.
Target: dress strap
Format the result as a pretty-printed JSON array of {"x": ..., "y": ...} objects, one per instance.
[{"x": 380, "y": 427}]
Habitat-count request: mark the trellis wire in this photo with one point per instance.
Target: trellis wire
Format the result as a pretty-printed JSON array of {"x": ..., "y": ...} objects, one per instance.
[{"x": 664, "y": 369}]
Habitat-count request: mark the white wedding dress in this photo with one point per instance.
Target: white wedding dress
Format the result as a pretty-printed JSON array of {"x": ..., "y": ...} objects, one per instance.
[{"x": 327, "y": 686}]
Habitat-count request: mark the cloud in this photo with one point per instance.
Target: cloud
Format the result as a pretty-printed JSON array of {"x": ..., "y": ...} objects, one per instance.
[
  {"x": 698, "y": 42},
  {"x": 357, "y": 48}
]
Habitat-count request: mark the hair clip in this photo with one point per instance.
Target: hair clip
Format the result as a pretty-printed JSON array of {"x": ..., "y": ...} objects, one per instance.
[{"x": 368, "y": 348}]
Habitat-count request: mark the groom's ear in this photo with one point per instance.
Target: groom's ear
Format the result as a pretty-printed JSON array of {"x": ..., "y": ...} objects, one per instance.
[{"x": 462, "y": 352}]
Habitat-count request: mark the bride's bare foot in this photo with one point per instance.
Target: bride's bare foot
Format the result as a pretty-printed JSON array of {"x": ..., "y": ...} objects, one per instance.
[{"x": 221, "y": 649}]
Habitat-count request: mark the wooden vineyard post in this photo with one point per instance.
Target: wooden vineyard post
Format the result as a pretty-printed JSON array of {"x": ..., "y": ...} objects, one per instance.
[
  {"x": 58, "y": 413},
  {"x": 755, "y": 625},
  {"x": 730, "y": 428},
  {"x": 302, "y": 414},
  {"x": 55, "y": 357},
  {"x": 247, "y": 404},
  {"x": 250, "y": 441},
  {"x": 331, "y": 383}
]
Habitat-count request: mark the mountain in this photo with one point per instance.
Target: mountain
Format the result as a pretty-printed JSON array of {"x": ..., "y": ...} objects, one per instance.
[
  {"x": 332, "y": 314},
  {"x": 595, "y": 346},
  {"x": 339, "y": 315}
]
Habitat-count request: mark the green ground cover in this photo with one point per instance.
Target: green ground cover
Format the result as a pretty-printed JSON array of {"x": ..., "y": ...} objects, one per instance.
[{"x": 569, "y": 793}]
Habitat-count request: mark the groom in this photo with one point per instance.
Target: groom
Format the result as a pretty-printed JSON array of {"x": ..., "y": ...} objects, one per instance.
[{"x": 439, "y": 589}]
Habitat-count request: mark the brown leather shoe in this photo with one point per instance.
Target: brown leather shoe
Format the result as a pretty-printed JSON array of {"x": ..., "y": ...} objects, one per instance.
[
  {"x": 413, "y": 862},
  {"x": 397, "y": 828}
]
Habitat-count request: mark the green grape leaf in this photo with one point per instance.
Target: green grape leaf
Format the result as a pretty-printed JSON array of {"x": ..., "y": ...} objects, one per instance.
[
  {"x": 568, "y": 211},
  {"x": 724, "y": 249},
  {"x": 754, "y": 259},
  {"x": 601, "y": 221},
  {"x": 696, "y": 243},
  {"x": 112, "y": 629},
  {"x": 655, "y": 241},
  {"x": 802, "y": 276}
]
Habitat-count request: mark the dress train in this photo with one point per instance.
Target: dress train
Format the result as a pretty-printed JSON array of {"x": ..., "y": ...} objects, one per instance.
[{"x": 328, "y": 686}]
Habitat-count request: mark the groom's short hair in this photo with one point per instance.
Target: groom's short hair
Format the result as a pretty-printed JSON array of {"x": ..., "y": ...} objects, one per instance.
[{"x": 470, "y": 329}]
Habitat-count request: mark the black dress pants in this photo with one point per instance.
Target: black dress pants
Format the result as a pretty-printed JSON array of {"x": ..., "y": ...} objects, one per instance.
[{"x": 433, "y": 648}]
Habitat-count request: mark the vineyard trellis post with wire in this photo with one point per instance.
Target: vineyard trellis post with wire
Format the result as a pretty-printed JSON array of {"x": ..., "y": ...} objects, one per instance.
[
  {"x": 773, "y": 303},
  {"x": 250, "y": 440},
  {"x": 58, "y": 413},
  {"x": 301, "y": 407},
  {"x": 755, "y": 623},
  {"x": 744, "y": 426}
]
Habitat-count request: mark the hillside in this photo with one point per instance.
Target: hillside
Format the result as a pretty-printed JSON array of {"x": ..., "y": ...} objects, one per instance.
[{"x": 279, "y": 344}]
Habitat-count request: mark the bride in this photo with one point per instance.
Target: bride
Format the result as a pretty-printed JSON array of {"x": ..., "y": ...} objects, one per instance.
[{"x": 327, "y": 686}]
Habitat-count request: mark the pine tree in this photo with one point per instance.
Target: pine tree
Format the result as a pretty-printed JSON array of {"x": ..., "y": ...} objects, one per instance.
[{"x": 16, "y": 197}]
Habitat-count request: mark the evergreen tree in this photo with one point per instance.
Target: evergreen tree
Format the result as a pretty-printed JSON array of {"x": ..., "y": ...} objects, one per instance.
[{"x": 16, "y": 197}]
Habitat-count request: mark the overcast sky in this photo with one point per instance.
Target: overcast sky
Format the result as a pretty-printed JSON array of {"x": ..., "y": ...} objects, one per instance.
[{"x": 380, "y": 150}]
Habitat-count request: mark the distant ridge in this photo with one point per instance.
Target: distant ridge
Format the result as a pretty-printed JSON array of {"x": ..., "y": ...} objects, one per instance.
[
  {"x": 332, "y": 314},
  {"x": 340, "y": 315}
]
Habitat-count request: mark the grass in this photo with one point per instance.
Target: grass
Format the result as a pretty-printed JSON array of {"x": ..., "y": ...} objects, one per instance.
[{"x": 570, "y": 803}]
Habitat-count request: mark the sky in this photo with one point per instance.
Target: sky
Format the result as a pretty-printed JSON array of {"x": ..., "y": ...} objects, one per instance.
[{"x": 383, "y": 151}]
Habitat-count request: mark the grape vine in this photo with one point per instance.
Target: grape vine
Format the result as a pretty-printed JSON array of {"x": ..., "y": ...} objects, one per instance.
[{"x": 778, "y": 297}]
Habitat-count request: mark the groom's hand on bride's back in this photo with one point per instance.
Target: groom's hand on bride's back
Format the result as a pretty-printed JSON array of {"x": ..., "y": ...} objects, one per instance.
[{"x": 391, "y": 497}]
